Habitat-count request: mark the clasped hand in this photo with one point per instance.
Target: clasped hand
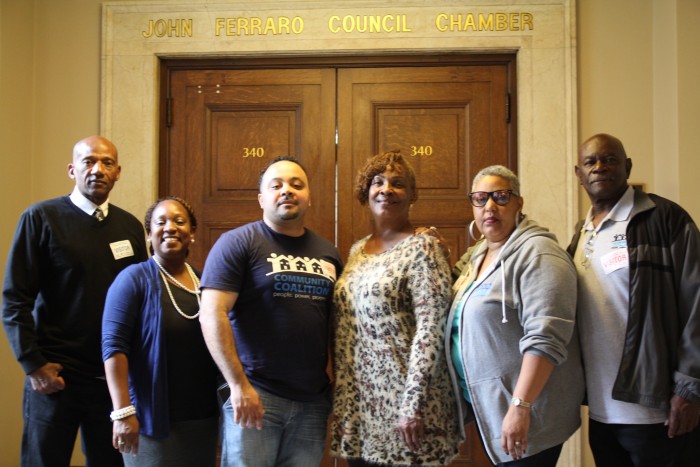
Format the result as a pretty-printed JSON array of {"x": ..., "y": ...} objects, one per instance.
[
  {"x": 683, "y": 416},
  {"x": 46, "y": 379}
]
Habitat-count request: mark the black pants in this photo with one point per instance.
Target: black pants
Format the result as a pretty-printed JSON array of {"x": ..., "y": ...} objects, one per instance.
[
  {"x": 546, "y": 458},
  {"x": 621, "y": 445},
  {"x": 363, "y": 463}
]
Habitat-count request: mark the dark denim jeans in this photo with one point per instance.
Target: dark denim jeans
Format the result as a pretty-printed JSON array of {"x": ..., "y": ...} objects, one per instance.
[{"x": 51, "y": 424}]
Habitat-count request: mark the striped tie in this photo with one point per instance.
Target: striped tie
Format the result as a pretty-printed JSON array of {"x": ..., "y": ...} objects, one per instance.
[{"x": 98, "y": 214}]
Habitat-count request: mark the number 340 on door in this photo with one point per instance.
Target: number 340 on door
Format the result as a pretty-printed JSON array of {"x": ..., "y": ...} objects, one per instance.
[
  {"x": 421, "y": 150},
  {"x": 253, "y": 152}
]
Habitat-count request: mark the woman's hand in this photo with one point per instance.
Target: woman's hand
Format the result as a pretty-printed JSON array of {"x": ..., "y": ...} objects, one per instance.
[
  {"x": 433, "y": 232},
  {"x": 516, "y": 425},
  {"x": 534, "y": 374},
  {"x": 125, "y": 435},
  {"x": 411, "y": 430}
]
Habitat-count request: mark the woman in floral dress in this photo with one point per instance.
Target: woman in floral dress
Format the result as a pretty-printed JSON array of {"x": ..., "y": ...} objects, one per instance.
[{"x": 394, "y": 403}]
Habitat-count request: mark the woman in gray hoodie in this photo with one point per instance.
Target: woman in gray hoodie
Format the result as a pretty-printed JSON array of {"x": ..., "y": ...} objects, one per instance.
[{"x": 512, "y": 347}]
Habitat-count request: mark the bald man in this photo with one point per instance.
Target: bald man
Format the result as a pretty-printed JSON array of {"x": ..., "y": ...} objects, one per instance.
[
  {"x": 64, "y": 256},
  {"x": 638, "y": 261}
]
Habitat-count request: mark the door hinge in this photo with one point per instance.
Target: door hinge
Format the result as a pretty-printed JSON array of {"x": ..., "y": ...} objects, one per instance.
[
  {"x": 168, "y": 112},
  {"x": 508, "y": 107}
]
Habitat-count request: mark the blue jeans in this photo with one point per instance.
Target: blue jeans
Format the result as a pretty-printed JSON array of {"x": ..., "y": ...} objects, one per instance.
[
  {"x": 190, "y": 443},
  {"x": 51, "y": 424},
  {"x": 293, "y": 434}
]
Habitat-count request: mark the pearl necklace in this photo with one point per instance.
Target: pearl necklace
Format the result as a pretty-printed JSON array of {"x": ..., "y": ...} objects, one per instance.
[{"x": 196, "y": 292}]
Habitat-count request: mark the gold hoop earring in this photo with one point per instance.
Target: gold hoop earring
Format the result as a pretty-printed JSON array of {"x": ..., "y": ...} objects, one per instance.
[{"x": 471, "y": 231}]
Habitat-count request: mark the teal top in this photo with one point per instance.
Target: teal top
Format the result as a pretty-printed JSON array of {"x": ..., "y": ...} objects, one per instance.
[{"x": 455, "y": 347}]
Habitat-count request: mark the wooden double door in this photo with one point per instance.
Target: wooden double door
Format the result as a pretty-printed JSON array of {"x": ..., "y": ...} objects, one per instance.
[{"x": 222, "y": 122}]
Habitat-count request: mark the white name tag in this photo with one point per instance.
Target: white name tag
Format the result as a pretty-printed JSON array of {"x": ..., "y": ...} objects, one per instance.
[
  {"x": 482, "y": 290},
  {"x": 121, "y": 249},
  {"x": 615, "y": 260},
  {"x": 328, "y": 269}
]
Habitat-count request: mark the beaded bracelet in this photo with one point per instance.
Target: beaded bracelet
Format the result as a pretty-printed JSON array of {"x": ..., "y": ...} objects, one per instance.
[{"x": 122, "y": 413}]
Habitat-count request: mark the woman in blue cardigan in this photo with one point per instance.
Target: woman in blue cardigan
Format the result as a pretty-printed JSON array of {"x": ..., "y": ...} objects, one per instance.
[{"x": 161, "y": 377}]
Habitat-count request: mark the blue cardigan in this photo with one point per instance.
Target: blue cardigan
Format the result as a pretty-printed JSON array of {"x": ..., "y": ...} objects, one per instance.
[{"x": 132, "y": 325}]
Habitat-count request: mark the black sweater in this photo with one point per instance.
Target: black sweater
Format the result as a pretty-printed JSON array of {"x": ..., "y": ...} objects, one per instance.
[{"x": 60, "y": 265}]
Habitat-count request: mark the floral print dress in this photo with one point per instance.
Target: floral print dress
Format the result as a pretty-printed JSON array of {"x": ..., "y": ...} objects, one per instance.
[{"x": 389, "y": 355}]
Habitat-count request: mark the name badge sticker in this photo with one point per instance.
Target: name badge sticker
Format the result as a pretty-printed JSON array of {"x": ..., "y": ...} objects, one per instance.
[
  {"x": 121, "y": 249},
  {"x": 615, "y": 260},
  {"x": 482, "y": 290},
  {"x": 328, "y": 269}
]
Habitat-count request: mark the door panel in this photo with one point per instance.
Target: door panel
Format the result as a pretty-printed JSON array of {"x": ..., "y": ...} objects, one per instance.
[
  {"x": 227, "y": 125},
  {"x": 448, "y": 121}
]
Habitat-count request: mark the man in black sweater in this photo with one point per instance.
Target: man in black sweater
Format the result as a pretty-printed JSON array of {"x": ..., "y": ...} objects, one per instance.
[{"x": 64, "y": 256}]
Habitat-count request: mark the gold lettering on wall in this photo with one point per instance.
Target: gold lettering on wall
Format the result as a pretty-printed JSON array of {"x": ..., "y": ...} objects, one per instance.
[
  {"x": 347, "y": 24},
  {"x": 368, "y": 23},
  {"x": 168, "y": 28},
  {"x": 255, "y": 26},
  {"x": 518, "y": 21}
]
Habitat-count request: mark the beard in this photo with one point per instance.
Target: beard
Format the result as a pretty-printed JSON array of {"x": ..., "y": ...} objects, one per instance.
[{"x": 289, "y": 214}]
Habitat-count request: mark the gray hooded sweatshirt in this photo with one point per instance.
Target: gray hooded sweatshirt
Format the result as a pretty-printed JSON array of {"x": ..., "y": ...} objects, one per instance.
[{"x": 524, "y": 302}]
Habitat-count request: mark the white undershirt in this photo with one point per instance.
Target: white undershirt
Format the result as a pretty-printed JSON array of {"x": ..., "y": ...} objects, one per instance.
[{"x": 85, "y": 204}]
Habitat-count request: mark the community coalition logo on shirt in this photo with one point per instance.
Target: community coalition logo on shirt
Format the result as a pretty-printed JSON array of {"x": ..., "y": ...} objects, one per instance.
[
  {"x": 297, "y": 277},
  {"x": 619, "y": 241}
]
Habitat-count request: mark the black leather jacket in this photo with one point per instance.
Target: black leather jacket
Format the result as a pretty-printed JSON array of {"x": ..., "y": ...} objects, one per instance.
[{"x": 664, "y": 305}]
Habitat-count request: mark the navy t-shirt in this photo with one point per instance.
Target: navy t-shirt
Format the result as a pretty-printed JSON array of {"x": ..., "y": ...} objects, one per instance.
[{"x": 281, "y": 317}]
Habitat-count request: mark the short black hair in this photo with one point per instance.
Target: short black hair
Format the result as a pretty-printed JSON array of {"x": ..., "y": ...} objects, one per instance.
[{"x": 276, "y": 160}]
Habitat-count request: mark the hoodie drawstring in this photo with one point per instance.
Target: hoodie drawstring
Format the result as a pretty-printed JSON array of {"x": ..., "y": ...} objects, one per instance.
[{"x": 503, "y": 292}]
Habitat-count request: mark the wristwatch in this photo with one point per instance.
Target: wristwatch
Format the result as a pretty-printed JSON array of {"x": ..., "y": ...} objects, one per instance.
[{"x": 518, "y": 402}]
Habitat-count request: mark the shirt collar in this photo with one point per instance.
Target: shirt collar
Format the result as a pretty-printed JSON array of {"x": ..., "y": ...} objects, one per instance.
[
  {"x": 620, "y": 212},
  {"x": 85, "y": 204}
]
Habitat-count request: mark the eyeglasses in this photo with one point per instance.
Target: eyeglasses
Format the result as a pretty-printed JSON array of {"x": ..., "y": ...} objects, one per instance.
[{"x": 480, "y": 198}]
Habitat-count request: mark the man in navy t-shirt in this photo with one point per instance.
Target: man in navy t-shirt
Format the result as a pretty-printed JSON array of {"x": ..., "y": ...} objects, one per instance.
[{"x": 266, "y": 308}]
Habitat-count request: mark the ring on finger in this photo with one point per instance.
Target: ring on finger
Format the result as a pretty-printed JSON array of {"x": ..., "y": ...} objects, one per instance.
[{"x": 517, "y": 443}]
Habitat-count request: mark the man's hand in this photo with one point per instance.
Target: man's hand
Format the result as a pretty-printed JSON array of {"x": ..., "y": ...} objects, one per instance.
[
  {"x": 247, "y": 407},
  {"x": 46, "y": 379},
  {"x": 683, "y": 417}
]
